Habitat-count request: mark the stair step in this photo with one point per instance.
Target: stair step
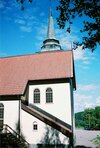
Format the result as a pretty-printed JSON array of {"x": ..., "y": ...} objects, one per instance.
[{"x": 11, "y": 139}]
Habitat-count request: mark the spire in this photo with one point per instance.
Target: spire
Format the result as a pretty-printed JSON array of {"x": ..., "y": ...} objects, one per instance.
[
  {"x": 50, "y": 32},
  {"x": 50, "y": 43}
]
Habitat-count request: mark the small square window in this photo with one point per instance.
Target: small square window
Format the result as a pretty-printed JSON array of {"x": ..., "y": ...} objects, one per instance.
[{"x": 35, "y": 126}]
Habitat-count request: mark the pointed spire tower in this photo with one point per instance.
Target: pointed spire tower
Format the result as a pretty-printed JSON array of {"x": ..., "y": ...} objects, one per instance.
[{"x": 50, "y": 43}]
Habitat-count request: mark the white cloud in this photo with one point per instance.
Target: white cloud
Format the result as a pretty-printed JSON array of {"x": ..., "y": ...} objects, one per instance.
[
  {"x": 81, "y": 97},
  {"x": 7, "y": 5},
  {"x": 66, "y": 41},
  {"x": 20, "y": 21},
  {"x": 26, "y": 28},
  {"x": 86, "y": 96},
  {"x": 41, "y": 32},
  {"x": 2, "y": 4},
  {"x": 79, "y": 53},
  {"x": 83, "y": 55},
  {"x": 65, "y": 38},
  {"x": 98, "y": 101},
  {"x": 25, "y": 22},
  {"x": 88, "y": 87},
  {"x": 82, "y": 102},
  {"x": 86, "y": 62},
  {"x": 41, "y": 35},
  {"x": 89, "y": 105}
]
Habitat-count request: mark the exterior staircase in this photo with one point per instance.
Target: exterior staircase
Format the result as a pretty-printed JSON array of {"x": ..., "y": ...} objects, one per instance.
[
  {"x": 48, "y": 119},
  {"x": 10, "y": 139}
]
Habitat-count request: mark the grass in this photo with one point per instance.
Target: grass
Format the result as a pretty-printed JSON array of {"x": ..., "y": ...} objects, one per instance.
[{"x": 96, "y": 141}]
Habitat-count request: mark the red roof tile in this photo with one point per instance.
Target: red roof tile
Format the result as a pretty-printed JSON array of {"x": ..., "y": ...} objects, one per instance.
[{"x": 16, "y": 71}]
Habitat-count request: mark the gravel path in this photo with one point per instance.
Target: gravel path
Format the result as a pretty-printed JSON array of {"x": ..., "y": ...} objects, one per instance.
[{"x": 84, "y": 137}]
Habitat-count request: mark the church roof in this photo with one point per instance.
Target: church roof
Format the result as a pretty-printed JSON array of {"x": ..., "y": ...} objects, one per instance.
[{"x": 16, "y": 71}]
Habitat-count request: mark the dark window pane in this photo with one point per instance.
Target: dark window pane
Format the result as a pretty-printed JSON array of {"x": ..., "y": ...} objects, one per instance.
[
  {"x": 36, "y": 96},
  {"x": 49, "y": 95},
  {"x": 35, "y": 126},
  {"x": 1, "y": 114}
]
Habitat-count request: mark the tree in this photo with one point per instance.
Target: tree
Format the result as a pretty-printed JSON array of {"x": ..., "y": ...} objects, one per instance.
[
  {"x": 97, "y": 116},
  {"x": 71, "y": 9},
  {"x": 51, "y": 136},
  {"x": 90, "y": 119},
  {"x": 79, "y": 119},
  {"x": 22, "y": 3},
  {"x": 87, "y": 117}
]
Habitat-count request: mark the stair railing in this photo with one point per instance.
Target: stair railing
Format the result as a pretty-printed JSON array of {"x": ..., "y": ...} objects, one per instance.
[{"x": 7, "y": 129}]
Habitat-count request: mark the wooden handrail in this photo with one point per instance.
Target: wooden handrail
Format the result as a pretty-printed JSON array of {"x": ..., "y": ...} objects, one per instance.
[{"x": 50, "y": 116}]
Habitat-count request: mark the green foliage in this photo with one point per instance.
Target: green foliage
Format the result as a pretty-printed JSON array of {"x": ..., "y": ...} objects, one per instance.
[
  {"x": 79, "y": 119},
  {"x": 22, "y": 3},
  {"x": 89, "y": 119},
  {"x": 96, "y": 141},
  {"x": 71, "y": 9}
]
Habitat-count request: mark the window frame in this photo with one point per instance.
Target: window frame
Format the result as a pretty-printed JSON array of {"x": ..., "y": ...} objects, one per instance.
[
  {"x": 35, "y": 126},
  {"x": 1, "y": 115},
  {"x": 49, "y": 95},
  {"x": 36, "y": 95}
]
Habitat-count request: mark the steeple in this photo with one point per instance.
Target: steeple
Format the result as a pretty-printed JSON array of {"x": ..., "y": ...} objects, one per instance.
[
  {"x": 50, "y": 43},
  {"x": 50, "y": 32}
]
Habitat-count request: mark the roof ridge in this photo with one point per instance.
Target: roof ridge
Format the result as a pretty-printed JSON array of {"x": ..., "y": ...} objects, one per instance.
[{"x": 37, "y": 53}]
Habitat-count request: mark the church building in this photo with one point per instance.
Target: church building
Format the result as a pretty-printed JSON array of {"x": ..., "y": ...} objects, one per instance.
[{"x": 36, "y": 92}]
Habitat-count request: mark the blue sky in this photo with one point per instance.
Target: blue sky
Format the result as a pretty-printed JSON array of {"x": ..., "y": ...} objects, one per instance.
[{"x": 22, "y": 32}]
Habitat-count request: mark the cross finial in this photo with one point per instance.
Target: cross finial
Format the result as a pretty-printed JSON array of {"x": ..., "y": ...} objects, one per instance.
[
  {"x": 50, "y": 7},
  {"x": 50, "y": 4}
]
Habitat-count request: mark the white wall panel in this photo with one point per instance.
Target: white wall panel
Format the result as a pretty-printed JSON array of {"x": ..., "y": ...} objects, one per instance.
[{"x": 61, "y": 106}]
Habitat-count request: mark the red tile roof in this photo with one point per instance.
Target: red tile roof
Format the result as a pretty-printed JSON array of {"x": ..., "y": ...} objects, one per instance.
[{"x": 16, "y": 71}]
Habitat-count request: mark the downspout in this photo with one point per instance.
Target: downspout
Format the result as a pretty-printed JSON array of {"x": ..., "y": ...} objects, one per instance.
[
  {"x": 19, "y": 106},
  {"x": 19, "y": 116},
  {"x": 72, "y": 140}
]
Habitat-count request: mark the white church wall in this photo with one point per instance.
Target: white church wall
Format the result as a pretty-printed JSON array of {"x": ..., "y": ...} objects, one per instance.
[
  {"x": 32, "y": 136},
  {"x": 11, "y": 113},
  {"x": 61, "y": 106}
]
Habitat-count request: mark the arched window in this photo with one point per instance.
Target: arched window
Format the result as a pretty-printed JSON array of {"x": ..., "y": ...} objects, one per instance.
[
  {"x": 35, "y": 126},
  {"x": 1, "y": 115},
  {"x": 49, "y": 95},
  {"x": 36, "y": 96}
]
